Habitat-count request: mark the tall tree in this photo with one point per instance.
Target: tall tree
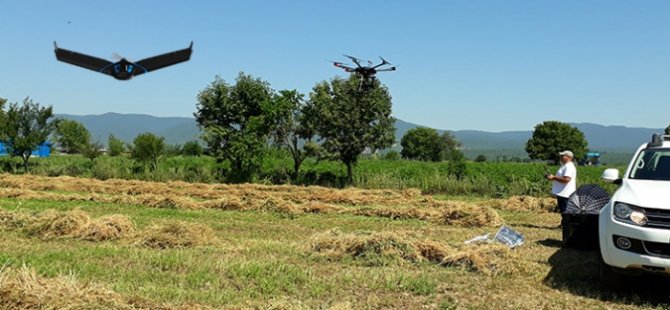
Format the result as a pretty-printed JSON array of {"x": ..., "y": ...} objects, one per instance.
[
  {"x": 71, "y": 135},
  {"x": 237, "y": 122},
  {"x": 23, "y": 127},
  {"x": 667, "y": 130},
  {"x": 147, "y": 148},
  {"x": 422, "y": 144},
  {"x": 552, "y": 137},
  {"x": 349, "y": 121},
  {"x": 115, "y": 146},
  {"x": 292, "y": 127}
]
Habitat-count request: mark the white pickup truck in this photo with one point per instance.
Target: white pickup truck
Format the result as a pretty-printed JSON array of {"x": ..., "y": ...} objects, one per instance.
[{"x": 634, "y": 226}]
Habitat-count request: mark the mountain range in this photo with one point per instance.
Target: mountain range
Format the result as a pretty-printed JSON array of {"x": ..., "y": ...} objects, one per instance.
[{"x": 178, "y": 130}]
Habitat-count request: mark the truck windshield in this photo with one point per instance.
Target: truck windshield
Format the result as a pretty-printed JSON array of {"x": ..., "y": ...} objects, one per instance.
[{"x": 652, "y": 164}]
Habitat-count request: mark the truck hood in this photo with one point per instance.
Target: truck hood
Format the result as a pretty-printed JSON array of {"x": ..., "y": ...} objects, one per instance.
[{"x": 644, "y": 193}]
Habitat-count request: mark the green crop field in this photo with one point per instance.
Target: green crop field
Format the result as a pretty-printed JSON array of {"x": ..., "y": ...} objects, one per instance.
[{"x": 488, "y": 179}]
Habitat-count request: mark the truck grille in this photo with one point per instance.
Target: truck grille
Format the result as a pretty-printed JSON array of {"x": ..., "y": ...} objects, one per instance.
[
  {"x": 657, "y": 248},
  {"x": 657, "y": 218}
]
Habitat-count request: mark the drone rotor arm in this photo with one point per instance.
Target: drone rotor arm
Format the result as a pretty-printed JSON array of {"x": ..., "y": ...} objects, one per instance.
[{"x": 357, "y": 61}]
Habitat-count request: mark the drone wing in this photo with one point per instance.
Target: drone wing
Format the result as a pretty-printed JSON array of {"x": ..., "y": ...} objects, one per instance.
[
  {"x": 81, "y": 60},
  {"x": 162, "y": 61}
]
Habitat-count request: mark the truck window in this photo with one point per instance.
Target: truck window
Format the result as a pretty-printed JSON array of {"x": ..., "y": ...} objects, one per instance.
[{"x": 652, "y": 164}]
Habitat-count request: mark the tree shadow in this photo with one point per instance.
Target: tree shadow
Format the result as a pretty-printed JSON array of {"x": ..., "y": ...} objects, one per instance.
[{"x": 576, "y": 271}]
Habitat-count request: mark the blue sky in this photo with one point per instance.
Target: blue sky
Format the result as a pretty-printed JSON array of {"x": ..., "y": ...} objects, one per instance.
[{"x": 487, "y": 65}]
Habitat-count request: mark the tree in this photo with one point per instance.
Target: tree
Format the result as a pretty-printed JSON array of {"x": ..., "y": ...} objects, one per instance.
[
  {"x": 91, "y": 150},
  {"x": 115, "y": 146},
  {"x": 23, "y": 127},
  {"x": 348, "y": 120},
  {"x": 237, "y": 122},
  {"x": 480, "y": 158},
  {"x": 449, "y": 146},
  {"x": 422, "y": 144},
  {"x": 292, "y": 127},
  {"x": 147, "y": 148},
  {"x": 667, "y": 130},
  {"x": 192, "y": 148},
  {"x": 71, "y": 135},
  {"x": 427, "y": 145},
  {"x": 552, "y": 137}
]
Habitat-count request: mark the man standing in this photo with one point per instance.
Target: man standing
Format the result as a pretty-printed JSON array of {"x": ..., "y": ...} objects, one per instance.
[{"x": 565, "y": 181}]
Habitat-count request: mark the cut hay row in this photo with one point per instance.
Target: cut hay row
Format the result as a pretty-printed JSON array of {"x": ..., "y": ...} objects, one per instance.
[
  {"x": 51, "y": 224},
  {"x": 23, "y": 288},
  {"x": 295, "y": 194},
  {"x": 182, "y": 194},
  {"x": 390, "y": 248},
  {"x": 443, "y": 212},
  {"x": 175, "y": 235}
]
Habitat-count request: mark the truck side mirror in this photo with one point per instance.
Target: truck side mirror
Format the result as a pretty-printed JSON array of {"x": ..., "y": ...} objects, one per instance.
[{"x": 611, "y": 175}]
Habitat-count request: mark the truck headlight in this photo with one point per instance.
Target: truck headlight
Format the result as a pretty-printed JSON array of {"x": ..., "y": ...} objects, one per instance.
[
  {"x": 629, "y": 214},
  {"x": 622, "y": 210}
]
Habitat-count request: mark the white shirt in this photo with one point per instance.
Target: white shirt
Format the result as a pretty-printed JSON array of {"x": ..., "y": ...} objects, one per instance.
[{"x": 565, "y": 189}]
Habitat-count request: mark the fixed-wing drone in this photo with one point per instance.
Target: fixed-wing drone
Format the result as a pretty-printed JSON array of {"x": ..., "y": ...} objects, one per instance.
[
  {"x": 123, "y": 69},
  {"x": 366, "y": 73}
]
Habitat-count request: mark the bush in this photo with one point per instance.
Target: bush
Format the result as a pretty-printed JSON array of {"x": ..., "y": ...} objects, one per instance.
[{"x": 391, "y": 155}]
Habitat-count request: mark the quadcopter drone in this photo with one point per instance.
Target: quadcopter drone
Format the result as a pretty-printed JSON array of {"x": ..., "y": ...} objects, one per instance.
[
  {"x": 123, "y": 69},
  {"x": 366, "y": 73}
]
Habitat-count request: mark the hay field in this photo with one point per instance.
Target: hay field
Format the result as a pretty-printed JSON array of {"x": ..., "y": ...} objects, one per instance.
[{"x": 90, "y": 244}]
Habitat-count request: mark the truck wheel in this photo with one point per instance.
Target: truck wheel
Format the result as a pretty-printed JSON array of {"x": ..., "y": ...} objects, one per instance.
[{"x": 610, "y": 280}]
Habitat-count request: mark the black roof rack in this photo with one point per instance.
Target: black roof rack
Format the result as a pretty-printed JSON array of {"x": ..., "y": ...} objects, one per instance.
[{"x": 657, "y": 140}]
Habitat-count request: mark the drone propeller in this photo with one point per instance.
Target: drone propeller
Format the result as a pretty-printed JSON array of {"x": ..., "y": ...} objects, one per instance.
[
  {"x": 357, "y": 61},
  {"x": 384, "y": 62},
  {"x": 116, "y": 56}
]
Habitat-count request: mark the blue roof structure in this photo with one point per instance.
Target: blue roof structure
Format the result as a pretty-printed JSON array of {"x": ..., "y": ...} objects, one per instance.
[{"x": 43, "y": 150}]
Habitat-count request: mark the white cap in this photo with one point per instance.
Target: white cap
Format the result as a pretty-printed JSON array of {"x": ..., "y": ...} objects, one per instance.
[{"x": 567, "y": 153}]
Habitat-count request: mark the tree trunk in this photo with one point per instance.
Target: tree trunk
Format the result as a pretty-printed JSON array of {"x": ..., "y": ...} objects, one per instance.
[
  {"x": 297, "y": 158},
  {"x": 297, "y": 161},
  {"x": 25, "y": 162},
  {"x": 350, "y": 175}
]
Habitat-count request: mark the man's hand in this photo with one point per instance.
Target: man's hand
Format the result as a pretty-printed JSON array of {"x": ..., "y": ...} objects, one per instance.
[{"x": 559, "y": 179}]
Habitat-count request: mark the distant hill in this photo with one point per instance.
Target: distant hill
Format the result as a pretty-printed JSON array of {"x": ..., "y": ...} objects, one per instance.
[
  {"x": 178, "y": 130},
  {"x": 126, "y": 127},
  {"x": 600, "y": 137}
]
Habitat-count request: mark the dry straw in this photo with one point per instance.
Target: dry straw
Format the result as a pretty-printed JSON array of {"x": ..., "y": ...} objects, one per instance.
[
  {"x": 283, "y": 199},
  {"x": 175, "y": 234},
  {"x": 108, "y": 227},
  {"x": 375, "y": 248}
]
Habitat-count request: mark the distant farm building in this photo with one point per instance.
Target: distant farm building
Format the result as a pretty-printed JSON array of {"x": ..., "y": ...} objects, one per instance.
[{"x": 43, "y": 150}]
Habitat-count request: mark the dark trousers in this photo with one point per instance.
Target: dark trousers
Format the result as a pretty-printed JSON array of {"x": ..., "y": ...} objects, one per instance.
[{"x": 562, "y": 203}]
